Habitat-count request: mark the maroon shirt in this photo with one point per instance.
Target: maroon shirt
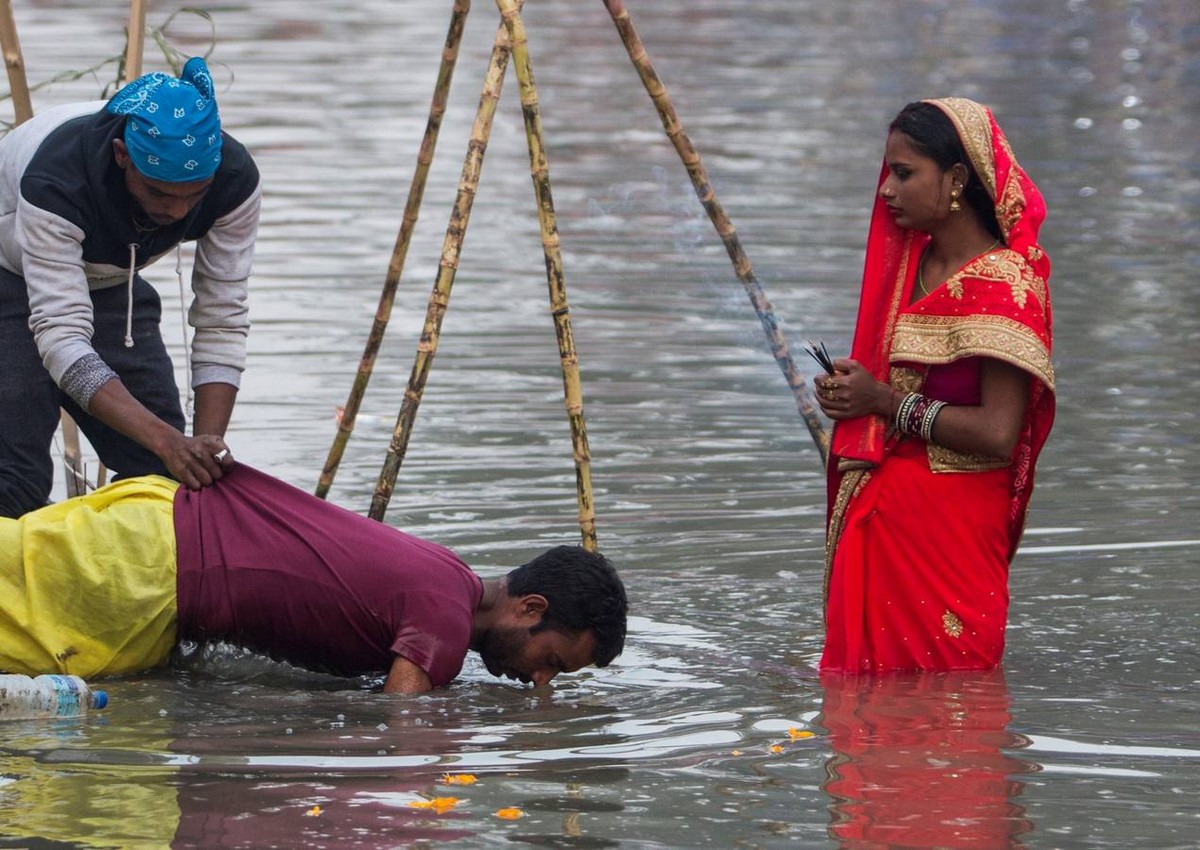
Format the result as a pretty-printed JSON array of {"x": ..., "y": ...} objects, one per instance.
[{"x": 268, "y": 567}]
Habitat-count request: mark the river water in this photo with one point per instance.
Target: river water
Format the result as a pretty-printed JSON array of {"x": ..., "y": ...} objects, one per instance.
[{"x": 712, "y": 730}]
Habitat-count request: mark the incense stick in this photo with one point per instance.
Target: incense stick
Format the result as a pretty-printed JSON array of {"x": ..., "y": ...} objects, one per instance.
[{"x": 817, "y": 351}]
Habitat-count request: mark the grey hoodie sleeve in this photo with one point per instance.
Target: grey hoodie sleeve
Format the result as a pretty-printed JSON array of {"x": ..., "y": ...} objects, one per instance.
[
  {"x": 59, "y": 302},
  {"x": 219, "y": 311}
]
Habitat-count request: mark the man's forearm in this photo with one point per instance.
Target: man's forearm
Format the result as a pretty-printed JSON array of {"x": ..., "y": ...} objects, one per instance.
[
  {"x": 115, "y": 407},
  {"x": 193, "y": 460},
  {"x": 214, "y": 406}
]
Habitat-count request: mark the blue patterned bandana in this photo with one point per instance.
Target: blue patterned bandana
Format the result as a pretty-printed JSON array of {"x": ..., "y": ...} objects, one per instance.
[{"x": 173, "y": 131}]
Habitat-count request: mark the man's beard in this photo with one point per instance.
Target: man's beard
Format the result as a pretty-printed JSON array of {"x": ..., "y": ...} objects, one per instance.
[{"x": 501, "y": 648}]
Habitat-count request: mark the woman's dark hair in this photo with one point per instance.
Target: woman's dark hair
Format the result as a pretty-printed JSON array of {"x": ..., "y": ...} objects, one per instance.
[
  {"x": 584, "y": 593},
  {"x": 933, "y": 134}
]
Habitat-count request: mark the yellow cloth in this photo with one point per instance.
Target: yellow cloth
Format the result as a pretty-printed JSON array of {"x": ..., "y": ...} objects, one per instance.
[{"x": 87, "y": 586}]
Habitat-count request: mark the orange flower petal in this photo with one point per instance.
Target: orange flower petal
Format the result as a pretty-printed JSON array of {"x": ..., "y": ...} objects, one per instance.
[
  {"x": 510, "y": 813},
  {"x": 439, "y": 805},
  {"x": 459, "y": 779},
  {"x": 313, "y": 812},
  {"x": 776, "y": 748},
  {"x": 795, "y": 734}
]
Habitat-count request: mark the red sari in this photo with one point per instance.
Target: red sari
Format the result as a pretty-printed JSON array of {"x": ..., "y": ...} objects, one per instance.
[{"x": 919, "y": 536}]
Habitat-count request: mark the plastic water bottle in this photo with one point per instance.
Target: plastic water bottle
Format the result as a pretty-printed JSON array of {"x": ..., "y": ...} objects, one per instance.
[{"x": 24, "y": 698}]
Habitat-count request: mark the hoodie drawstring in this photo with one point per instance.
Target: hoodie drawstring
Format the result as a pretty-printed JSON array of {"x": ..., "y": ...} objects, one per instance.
[
  {"x": 129, "y": 295},
  {"x": 187, "y": 351},
  {"x": 187, "y": 355}
]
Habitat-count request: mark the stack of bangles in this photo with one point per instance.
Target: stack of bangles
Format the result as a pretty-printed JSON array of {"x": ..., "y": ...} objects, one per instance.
[{"x": 916, "y": 413}]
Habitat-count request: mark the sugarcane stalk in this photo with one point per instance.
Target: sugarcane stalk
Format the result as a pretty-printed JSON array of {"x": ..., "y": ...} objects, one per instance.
[
  {"x": 439, "y": 299},
  {"x": 716, "y": 213},
  {"x": 14, "y": 63},
  {"x": 134, "y": 41},
  {"x": 412, "y": 209},
  {"x": 539, "y": 169}
]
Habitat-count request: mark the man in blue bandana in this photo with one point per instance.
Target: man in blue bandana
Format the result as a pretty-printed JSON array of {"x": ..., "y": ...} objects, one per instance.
[{"x": 90, "y": 194}]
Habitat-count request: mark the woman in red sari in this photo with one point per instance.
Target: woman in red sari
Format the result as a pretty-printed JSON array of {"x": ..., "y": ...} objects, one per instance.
[{"x": 944, "y": 404}]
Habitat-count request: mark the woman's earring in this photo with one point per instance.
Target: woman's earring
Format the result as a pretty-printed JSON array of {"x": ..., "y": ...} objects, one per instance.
[{"x": 955, "y": 206}]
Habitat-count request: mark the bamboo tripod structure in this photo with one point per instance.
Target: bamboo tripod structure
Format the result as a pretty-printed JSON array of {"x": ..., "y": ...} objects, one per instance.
[
  {"x": 412, "y": 209},
  {"x": 511, "y": 41},
  {"x": 14, "y": 62}
]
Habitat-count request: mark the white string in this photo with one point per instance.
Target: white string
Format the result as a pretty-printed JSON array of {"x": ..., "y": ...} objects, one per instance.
[
  {"x": 79, "y": 475},
  {"x": 129, "y": 296},
  {"x": 188, "y": 407}
]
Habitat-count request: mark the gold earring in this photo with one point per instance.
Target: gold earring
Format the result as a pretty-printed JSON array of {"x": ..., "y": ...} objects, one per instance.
[{"x": 955, "y": 206}]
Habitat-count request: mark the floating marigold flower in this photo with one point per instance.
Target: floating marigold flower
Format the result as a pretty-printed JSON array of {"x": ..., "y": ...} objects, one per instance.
[
  {"x": 459, "y": 779},
  {"x": 511, "y": 813},
  {"x": 776, "y": 748},
  {"x": 438, "y": 805},
  {"x": 315, "y": 811},
  {"x": 795, "y": 734}
]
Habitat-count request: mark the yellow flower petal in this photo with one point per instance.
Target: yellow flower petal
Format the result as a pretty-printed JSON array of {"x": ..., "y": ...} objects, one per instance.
[
  {"x": 776, "y": 748},
  {"x": 313, "y": 812},
  {"x": 795, "y": 734},
  {"x": 458, "y": 779},
  {"x": 510, "y": 813}
]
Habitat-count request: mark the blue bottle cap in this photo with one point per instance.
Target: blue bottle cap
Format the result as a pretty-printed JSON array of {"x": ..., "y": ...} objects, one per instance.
[{"x": 99, "y": 699}]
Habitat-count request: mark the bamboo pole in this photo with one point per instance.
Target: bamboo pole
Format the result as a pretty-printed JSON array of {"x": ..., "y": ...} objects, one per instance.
[
  {"x": 539, "y": 169},
  {"x": 412, "y": 208},
  {"x": 439, "y": 299},
  {"x": 14, "y": 63},
  {"x": 134, "y": 41},
  {"x": 76, "y": 482},
  {"x": 716, "y": 213},
  {"x": 135, "y": 37}
]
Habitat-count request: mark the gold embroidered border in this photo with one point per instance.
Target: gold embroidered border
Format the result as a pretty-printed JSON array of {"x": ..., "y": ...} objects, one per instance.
[
  {"x": 906, "y": 379},
  {"x": 1010, "y": 206},
  {"x": 942, "y": 459},
  {"x": 898, "y": 287},
  {"x": 943, "y": 339},
  {"x": 975, "y": 131},
  {"x": 1005, "y": 267},
  {"x": 850, "y": 486}
]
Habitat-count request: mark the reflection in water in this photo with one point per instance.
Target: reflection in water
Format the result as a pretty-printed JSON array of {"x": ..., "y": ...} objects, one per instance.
[
  {"x": 369, "y": 812},
  {"x": 918, "y": 761},
  {"x": 52, "y": 808},
  {"x": 382, "y": 779}
]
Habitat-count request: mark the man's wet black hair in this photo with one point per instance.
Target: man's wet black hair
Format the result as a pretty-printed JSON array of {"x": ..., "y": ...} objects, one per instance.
[{"x": 584, "y": 593}]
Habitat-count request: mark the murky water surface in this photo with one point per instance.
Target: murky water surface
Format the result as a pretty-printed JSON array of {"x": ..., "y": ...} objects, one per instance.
[{"x": 712, "y": 729}]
